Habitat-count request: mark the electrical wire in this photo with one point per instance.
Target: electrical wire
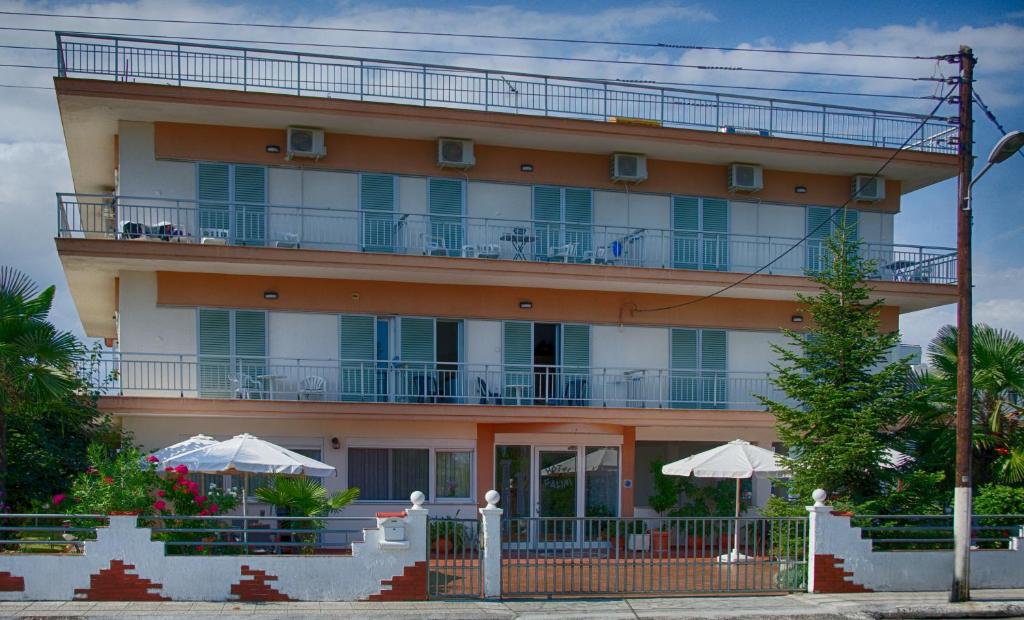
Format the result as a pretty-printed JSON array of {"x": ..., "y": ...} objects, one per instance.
[
  {"x": 466, "y": 35},
  {"x": 992, "y": 116},
  {"x": 26, "y": 86},
  {"x": 841, "y": 209},
  {"x": 605, "y": 61},
  {"x": 767, "y": 88}
]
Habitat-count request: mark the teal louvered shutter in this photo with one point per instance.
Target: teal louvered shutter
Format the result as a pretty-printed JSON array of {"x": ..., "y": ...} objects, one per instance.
[
  {"x": 714, "y": 226},
  {"x": 576, "y": 364},
  {"x": 416, "y": 346},
  {"x": 684, "y": 375},
  {"x": 579, "y": 215},
  {"x": 377, "y": 201},
  {"x": 547, "y": 218},
  {"x": 356, "y": 349},
  {"x": 517, "y": 355},
  {"x": 819, "y": 228},
  {"x": 251, "y": 344},
  {"x": 213, "y": 194},
  {"x": 685, "y": 235},
  {"x": 714, "y": 385},
  {"x": 445, "y": 200},
  {"x": 214, "y": 353},
  {"x": 249, "y": 203}
]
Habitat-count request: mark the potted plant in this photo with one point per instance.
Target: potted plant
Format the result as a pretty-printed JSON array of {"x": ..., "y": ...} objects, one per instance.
[
  {"x": 304, "y": 497},
  {"x": 447, "y": 534},
  {"x": 663, "y": 500}
]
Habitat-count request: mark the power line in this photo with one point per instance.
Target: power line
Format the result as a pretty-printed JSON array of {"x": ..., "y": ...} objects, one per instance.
[
  {"x": 466, "y": 35},
  {"x": 781, "y": 90},
  {"x": 26, "y": 86},
  {"x": 792, "y": 247},
  {"x": 992, "y": 116},
  {"x": 17, "y": 66},
  {"x": 612, "y": 61}
]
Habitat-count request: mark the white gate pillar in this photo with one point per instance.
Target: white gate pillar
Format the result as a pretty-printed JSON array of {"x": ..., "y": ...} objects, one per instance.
[{"x": 491, "y": 537}]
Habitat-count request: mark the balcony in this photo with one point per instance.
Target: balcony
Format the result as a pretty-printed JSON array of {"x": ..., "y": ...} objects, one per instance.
[
  {"x": 356, "y": 381},
  {"x": 160, "y": 220},
  {"x": 183, "y": 63}
]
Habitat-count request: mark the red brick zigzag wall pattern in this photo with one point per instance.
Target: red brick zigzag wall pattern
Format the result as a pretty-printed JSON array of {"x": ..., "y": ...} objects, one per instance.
[
  {"x": 11, "y": 583},
  {"x": 829, "y": 576},
  {"x": 411, "y": 585},
  {"x": 117, "y": 584},
  {"x": 257, "y": 588}
]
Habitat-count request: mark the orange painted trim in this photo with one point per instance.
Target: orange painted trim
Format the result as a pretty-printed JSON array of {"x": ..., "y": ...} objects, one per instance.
[
  {"x": 474, "y": 302},
  {"x": 484, "y": 461},
  {"x": 499, "y": 416},
  {"x": 628, "y": 472},
  {"x": 192, "y": 142}
]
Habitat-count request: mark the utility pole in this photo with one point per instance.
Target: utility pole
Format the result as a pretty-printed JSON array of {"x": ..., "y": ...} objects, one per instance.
[{"x": 961, "y": 590}]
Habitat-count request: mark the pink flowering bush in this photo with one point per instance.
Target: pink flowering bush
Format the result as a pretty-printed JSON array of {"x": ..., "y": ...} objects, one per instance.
[
  {"x": 119, "y": 482},
  {"x": 179, "y": 496}
]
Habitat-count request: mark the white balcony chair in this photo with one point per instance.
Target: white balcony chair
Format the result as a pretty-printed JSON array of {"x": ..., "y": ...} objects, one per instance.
[
  {"x": 312, "y": 388},
  {"x": 562, "y": 252},
  {"x": 286, "y": 240},
  {"x": 214, "y": 236},
  {"x": 489, "y": 250},
  {"x": 245, "y": 387},
  {"x": 600, "y": 256},
  {"x": 469, "y": 251},
  {"x": 433, "y": 246}
]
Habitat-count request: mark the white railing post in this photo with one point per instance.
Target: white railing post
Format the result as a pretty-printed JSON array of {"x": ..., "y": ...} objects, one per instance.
[
  {"x": 491, "y": 537},
  {"x": 818, "y": 513}
]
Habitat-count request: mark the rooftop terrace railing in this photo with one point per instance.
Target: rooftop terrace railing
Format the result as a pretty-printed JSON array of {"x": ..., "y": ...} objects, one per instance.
[
  {"x": 181, "y": 63},
  {"x": 327, "y": 380},
  {"x": 184, "y": 221}
]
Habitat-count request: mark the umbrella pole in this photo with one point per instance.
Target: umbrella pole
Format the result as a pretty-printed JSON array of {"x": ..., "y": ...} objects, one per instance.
[
  {"x": 736, "y": 532},
  {"x": 245, "y": 520}
]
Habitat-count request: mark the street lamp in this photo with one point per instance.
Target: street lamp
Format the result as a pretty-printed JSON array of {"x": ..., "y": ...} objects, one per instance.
[{"x": 1010, "y": 144}]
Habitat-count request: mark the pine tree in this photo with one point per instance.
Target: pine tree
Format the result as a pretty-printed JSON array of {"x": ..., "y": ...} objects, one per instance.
[{"x": 844, "y": 396}]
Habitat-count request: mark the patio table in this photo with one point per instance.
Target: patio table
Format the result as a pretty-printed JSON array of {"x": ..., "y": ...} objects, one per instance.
[
  {"x": 518, "y": 241},
  {"x": 269, "y": 382}
]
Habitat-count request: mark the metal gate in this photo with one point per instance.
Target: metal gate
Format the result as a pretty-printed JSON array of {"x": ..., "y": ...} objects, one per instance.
[
  {"x": 454, "y": 566},
  {"x": 635, "y": 556}
]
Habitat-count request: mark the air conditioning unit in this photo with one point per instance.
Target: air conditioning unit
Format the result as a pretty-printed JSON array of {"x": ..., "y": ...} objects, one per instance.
[
  {"x": 629, "y": 167},
  {"x": 745, "y": 178},
  {"x": 306, "y": 142},
  {"x": 867, "y": 188},
  {"x": 455, "y": 153}
]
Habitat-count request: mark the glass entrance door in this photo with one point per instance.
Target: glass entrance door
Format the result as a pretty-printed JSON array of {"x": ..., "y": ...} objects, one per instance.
[{"x": 558, "y": 496}]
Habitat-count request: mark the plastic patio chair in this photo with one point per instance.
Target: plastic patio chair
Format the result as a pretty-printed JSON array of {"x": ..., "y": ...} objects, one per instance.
[{"x": 312, "y": 386}]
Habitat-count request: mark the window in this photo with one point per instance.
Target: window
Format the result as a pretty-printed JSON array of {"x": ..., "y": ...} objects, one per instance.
[
  {"x": 453, "y": 472},
  {"x": 700, "y": 233},
  {"x": 388, "y": 474}
]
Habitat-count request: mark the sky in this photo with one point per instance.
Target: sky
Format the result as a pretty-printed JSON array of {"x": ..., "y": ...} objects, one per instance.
[{"x": 34, "y": 166}]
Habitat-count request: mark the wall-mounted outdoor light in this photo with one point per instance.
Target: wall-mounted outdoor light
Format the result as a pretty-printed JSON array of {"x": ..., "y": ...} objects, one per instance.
[
  {"x": 270, "y": 295},
  {"x": 526, "y": 168},
  {"x": 797, "y": 318},
  {"x": 273, "y": 148},
  {"x": 800, "y": 189},
  {"x": 335, "y": 443},
  {"x": 525, "y": 304}
]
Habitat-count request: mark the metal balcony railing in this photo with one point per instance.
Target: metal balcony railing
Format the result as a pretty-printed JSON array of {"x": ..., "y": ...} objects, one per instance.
[
  {"x": 185, "y": 221},
  {"x": 292, "y": 379},
  {"x": 180, "y": 63}
]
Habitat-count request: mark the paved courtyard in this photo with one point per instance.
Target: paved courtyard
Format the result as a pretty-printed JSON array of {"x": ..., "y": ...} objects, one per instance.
[{"x": 987, "y": 604}]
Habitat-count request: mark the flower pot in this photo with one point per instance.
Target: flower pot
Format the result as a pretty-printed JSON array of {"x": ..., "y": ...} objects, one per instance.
[
  {"x": 661, "y": 542},
  {"x": 441, "y": 545},
  {"x": 638, "y": 542}
]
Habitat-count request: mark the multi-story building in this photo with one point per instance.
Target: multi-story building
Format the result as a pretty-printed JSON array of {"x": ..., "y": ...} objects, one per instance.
[{"x": 452, "y": 280}]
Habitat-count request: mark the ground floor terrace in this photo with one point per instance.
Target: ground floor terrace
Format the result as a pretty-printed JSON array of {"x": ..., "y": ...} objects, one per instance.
[{"x": 555, "y": 469}]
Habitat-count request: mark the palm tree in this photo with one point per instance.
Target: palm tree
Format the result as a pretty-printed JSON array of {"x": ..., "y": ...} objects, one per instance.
[
  {"x": 304, "y": 497},
  {"x": 37, "y": 360},
  {"x": 998, "y": 369}
]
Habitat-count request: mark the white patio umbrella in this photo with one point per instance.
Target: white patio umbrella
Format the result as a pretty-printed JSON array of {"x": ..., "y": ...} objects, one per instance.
[
  {"x": 737, "y": 459},
  {"x": 190, "y": 444},
  {"x": 245, "y": 455}
]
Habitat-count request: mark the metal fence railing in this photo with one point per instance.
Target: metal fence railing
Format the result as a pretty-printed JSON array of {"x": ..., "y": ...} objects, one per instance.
[
  {"x": 935, "y": 532},
  {"x": 48, "y": 533},
  {"x": 237, "y": 535},
  {"x": 454, "y": 558},
  {"x": 140, "y": 219},
  {"x": 181, "y": 63},
  {"x": 610, "y": 555},
  {"x": 274, "y": 378}
]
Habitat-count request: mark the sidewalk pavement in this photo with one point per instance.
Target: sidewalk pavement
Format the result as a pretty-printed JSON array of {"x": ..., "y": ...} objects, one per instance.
[{"x": 986, "y": 604}]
